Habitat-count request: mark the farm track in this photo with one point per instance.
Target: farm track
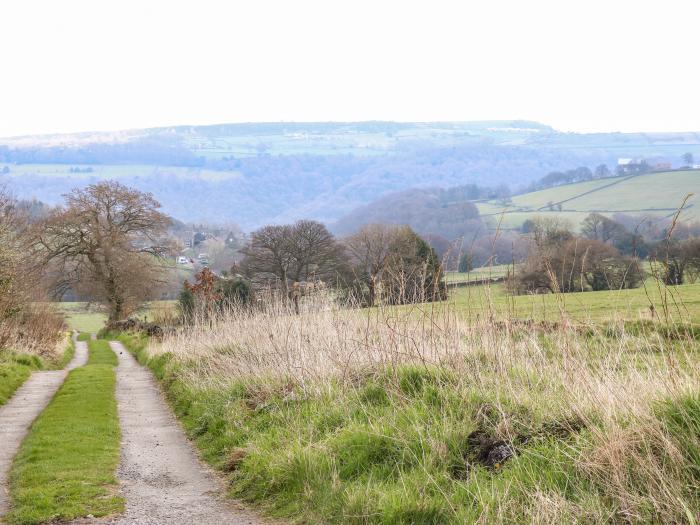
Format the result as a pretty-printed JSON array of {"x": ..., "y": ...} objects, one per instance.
[
  {"x": 162, "y": 479},
  {"x": 17, "y": 416}
]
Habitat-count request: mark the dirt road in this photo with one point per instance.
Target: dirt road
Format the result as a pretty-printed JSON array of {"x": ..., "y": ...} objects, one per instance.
[
  {"x": 20, "y": 412},
  {"x": 162, "y": 479}
]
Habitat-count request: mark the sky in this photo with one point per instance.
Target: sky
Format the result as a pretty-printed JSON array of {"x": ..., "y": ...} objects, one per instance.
[{"x": 591, "y": 65}]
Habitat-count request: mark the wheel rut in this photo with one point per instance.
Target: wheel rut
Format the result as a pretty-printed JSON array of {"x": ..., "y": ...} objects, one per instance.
[
  {"x": 162, "y": 479},
  {"x": 18, "y": 414}
]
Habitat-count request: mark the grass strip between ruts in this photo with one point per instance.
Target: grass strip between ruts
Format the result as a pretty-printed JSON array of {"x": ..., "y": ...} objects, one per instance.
[{"x": 66, "y": 466}]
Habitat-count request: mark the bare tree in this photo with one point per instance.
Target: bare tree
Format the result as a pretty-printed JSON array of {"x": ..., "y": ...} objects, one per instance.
[
  {"x": 598, "y": 227},
  {"x": 268, "y": 256},
  {"x": 304, "y": 251},
  {"x": 107, "y": 240},
  {"x": 399, "y": 261},
  {"x": 24, "y": 318},
  {"x": 371, "y": 248}
]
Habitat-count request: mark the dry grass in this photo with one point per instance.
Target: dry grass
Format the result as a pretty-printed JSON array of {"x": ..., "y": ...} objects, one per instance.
[
  {"x": 627, "y": 465},
  {"x": 35, "y": 329}
]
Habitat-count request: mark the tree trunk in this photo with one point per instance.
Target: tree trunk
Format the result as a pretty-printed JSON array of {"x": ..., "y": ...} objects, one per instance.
[
  {"x": 285, "y": 285},
  {"x": 115, "y": 300},
  {"x": 372, "y": 291}
]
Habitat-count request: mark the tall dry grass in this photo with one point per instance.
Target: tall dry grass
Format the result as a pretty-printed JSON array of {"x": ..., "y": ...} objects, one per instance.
[
  {"x": 35, "y": 329},
  {"x": 609, "y": 379}
]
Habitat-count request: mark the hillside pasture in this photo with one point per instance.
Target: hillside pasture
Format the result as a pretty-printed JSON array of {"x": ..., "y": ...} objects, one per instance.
[{"x": 655, "y": 194}]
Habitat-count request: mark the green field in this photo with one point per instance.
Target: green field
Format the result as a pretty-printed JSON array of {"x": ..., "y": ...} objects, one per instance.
[
  {"x": 91, "y": 318},
  {"x": 682, "y": 304},
  {"x": 657, "y": 194},
  {"x": 83, "y": 317},
  {"x": 478, "y": 274}
]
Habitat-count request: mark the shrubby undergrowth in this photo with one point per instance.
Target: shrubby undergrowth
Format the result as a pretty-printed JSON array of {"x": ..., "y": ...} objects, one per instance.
[{"x": 413, "y": 415}]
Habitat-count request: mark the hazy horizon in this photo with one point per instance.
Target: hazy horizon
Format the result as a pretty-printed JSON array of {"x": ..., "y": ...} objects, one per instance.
[{"x": 190, "y": 124}]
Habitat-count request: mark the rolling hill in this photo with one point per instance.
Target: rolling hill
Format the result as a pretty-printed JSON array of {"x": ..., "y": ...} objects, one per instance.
[
  {"x": 260, "y": 173},
  {"x": 657, "y": 194}
]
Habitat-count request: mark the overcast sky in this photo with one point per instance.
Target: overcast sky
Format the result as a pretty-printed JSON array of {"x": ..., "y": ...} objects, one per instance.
[{"x": 579, "y": 65}]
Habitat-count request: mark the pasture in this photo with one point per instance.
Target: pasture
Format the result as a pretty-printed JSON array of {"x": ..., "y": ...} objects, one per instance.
[{"x": 656, "y": 194}]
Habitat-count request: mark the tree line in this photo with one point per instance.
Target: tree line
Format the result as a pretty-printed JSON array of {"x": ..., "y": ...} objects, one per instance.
[{"x": 111, "y": 243}]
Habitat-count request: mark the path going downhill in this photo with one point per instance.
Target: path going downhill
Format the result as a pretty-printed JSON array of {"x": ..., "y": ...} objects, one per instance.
[
  {"x": 17, "y": 416},
  {"x": 162, "y": 479}
]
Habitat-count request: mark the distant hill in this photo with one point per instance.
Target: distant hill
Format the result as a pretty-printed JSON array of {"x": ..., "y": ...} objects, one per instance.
[
  {"x": 653, "y": 194},
  {"x": 260, "y": 173},
  {"x": 434, "y": 211},
  {"x": 429, "y": 211}
]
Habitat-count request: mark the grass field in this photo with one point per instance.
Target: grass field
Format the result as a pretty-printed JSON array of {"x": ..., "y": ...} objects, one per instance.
[
  {"x": 478, "y": 274},
  {"x": 683, "y": 304},
  {"x": 82, "y": 317},
  {"x": 430, "y": 415},
  {"x": 656, "y": 194},
  {"x": 90, "y": 319},
  {"x": 66, "y": 466}
]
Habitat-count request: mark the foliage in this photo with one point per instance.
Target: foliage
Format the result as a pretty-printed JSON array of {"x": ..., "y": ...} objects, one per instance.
[
  {"x": 24, "y": 321},
  {"x": 444, "y": 212},
  {"x": 466, "y": 263},
  {"x": 210, "y": 294}
]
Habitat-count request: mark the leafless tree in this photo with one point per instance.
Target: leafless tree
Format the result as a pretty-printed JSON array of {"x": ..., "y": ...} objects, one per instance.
[
  {"x": 371, "y": 249},
  {"x": 24, "y": 318},
  {"x": 107, "y": 240},
  {"x": 399, "y": 261},
  {"x": 304, "y": 251}
]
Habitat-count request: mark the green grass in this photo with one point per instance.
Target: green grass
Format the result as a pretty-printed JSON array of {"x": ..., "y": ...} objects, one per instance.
[
  {"x": 395, "y": 449},
  {"x": 66, "y": 466},
  {"x": 82, "y": 317},
  {"x": 656, "y": 194},
  {"x": 482, "y": 301},
  {"x": 478, "y": 274},
  {"x": 15, "y": 368},
  {"x": 87, "y": 318},
  {"x": 84, "y": 336}
]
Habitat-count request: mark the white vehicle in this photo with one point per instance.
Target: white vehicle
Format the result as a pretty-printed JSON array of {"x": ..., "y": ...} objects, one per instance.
[{"x": 182, "y": 260}]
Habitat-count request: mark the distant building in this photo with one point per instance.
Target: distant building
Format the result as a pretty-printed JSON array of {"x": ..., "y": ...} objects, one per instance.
[
  {"x": 635, "y": 166},
  {"x": 663, "y": 166}
]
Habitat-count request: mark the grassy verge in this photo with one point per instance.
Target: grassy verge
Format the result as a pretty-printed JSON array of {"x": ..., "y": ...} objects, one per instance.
[
  {"x": 65, "y": 467},
  {"x": 16, "y": 368},
  {"x": 499, "y": 438}
]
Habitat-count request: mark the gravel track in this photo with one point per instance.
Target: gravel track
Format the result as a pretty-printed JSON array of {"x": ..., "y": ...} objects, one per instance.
[
  {"x": 18, "y": 414},
  {"x": 162, "y": 479}
]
